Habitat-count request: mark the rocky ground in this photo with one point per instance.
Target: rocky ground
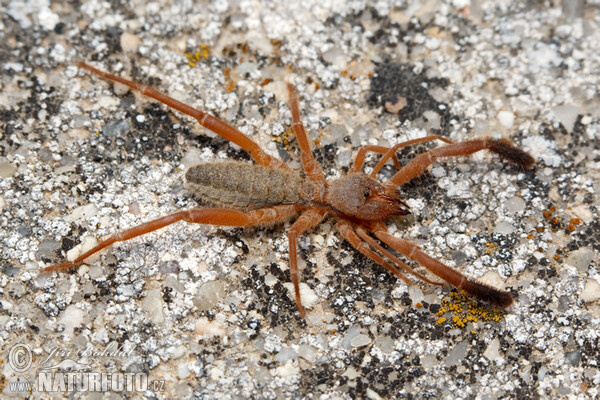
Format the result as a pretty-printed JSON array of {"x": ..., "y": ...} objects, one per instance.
[{"x": 207, "y": 312}]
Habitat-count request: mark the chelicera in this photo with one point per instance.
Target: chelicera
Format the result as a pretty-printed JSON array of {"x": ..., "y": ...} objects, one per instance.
[{"x": 269, "y": 192}]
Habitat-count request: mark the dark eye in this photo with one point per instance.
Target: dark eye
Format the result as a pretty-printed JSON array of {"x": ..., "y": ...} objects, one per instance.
[{"x": 367, "y": 193}]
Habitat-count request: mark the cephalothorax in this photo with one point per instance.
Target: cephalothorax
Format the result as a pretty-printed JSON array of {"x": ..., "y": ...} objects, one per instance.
[{"x": 271, "y": 192}]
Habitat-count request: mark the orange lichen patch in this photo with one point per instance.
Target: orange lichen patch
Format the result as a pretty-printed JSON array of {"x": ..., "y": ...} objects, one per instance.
[
  {"x": 530, "y": 236},
  {"x": 556, "y": 256},
  {"x": 231, "y": 84},
  {"x": 463, "y": 310},
  {"x": 194, "y": 57},
  {"x": 540, "y": 229},
  {"x": 317, "y": 141},
  {"x": 573, "y": 222},
  {"x": 546, "y": 214},
  {"x": 419, "y": 305},
  {"x": 265, "y": 82},
  {"x": 285, "y": 139}
]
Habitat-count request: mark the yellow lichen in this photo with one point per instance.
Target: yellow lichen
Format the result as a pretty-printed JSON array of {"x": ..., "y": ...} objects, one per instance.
[
  {"x": 462, "y": 309},
  {"x": 194, "y": 57}
]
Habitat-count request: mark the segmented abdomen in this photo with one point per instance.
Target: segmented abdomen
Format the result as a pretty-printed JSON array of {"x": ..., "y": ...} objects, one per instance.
[{"x": 243, "y": 186}]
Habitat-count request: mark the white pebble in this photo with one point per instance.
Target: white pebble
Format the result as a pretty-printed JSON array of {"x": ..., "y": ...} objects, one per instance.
[
  {"x": 153, "y": 305},
  {"x": 309, "y": 297},
  {"x": 492, "y": 351},
  {"x": 591, "y": 291},
  {"x": 360, "y": 340},
  {"x": 506, "y": 118},
  {"x": 71, "y": 318}
]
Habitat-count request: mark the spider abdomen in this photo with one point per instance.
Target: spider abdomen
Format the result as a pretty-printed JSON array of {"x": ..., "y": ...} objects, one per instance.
[{"x": 243, "y": 186}]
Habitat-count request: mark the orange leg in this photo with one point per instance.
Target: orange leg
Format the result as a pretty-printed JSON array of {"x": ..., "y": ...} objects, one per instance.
[
  {"x": 306, "y": 221},
  {"x": 392, "y": 151},
  {"x": 362, "y": 152},
  {"x": 365, "y": 236},
  {"x": 461, "y": 282},
  {"x": 219, "y": 127},
  {"x": 313, "y": 170},
  {"x": 422, "y": 161},
  {"x": 211, "y": 216},
  {"x": 348, "y": 233},
  {"x": 389, "y": 152}
]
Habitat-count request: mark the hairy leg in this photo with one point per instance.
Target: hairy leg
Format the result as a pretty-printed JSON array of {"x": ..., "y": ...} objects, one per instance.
[
  {"x": 365, "y": 236},
  {"x": 219, "y": 127},
  {"x": 311, "y": 167},
  {"x": 348, "y": 233},
  {"x": 307, "y": 220},
  {"x": 484, "y": 292},
  {"x": 210, "y": 216},
  {"x": 501, "y": 147}
]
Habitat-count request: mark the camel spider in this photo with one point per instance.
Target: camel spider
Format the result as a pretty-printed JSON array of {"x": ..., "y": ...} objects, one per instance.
[{"x": 270, "y": 192}]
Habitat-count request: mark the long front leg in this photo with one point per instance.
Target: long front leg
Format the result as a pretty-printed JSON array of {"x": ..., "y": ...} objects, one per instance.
[
  {"x": 501, "y": 147},
  {"x": 453, "y": 277},
  {"x": 313, "y": 170},
  {"x": 219, "y": 127},
  {"x": 306, "y": 221},
  {"x": 210, "y": 216}
]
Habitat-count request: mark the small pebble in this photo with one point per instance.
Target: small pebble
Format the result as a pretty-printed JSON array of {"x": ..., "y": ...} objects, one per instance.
[
  {"x": 71, "y": 318},
  {"x": 492, "y": 351},
  {"x": 309, "y": 297},
  {"x": 7, "y": 169},
  {"x": 457, "y": 354},
  {"x": 153, "y": 305},
  {"x": 506, "y": 118},
  {"x": 360, "y": 340},
  {"x": 591, "y": 291},
  {"x": 209, "y": 295},
  {"x": 580, "y": 258},
  {"x": 515, "y": 204}
]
